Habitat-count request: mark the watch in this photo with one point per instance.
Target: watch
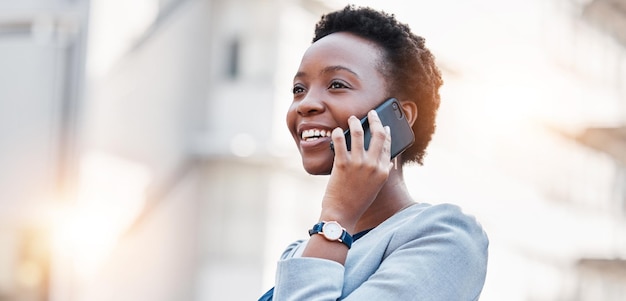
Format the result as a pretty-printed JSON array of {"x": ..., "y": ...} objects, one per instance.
[{"x": 332, "y": 231}]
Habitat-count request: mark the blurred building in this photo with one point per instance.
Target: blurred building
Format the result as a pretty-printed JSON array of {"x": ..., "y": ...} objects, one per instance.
[
  {"x": 144, "y": 143},
  {"x": 603, "y": 277},
  {"x": 42, "y": 58},
  {"x": 144, "y": 154}
]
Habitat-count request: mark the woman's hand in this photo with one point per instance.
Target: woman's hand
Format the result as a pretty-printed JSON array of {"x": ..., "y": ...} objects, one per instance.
[{"x": 358, "y": 174}]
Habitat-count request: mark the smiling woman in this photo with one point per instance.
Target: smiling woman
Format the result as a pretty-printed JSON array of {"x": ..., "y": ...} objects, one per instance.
[{"x": 372, "y": 240}]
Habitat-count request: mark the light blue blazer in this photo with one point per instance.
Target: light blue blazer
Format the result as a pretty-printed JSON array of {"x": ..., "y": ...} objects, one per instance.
[{"x": 424, "y": 252}]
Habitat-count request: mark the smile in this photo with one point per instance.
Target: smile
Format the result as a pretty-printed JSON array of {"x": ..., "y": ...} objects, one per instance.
[{"x": 314, "y": 134}]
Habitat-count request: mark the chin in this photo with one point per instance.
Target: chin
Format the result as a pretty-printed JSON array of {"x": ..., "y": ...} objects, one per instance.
[{"x": 317, "y": 168}]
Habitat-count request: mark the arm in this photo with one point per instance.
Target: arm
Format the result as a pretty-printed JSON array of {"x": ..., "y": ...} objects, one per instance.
[{"x": 356, "y": 178}]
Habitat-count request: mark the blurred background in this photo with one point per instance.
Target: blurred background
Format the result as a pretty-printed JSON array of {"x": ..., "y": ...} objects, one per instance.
[{"x": 144, "y": 153}]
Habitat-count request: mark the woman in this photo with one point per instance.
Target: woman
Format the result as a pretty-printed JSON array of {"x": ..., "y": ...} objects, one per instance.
[{"x": 372, "y": 241}]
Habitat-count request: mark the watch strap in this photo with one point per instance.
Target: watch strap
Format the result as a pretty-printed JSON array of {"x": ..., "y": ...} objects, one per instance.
[{"x": 345, "y": 237}]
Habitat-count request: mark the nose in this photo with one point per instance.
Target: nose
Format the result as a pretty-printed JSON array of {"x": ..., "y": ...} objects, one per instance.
[{"x": 311, "y": 104}]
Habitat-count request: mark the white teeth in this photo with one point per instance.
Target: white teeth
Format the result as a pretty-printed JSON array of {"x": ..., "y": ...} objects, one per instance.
[{"x": 314, "y": 134}]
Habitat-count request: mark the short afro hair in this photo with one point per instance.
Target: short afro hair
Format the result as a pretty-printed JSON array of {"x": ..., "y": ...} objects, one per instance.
[{"x": 408, "y": 65}]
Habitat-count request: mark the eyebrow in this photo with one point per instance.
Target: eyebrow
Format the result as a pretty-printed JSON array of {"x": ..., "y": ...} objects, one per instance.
[{"x": 329, "y": 69}]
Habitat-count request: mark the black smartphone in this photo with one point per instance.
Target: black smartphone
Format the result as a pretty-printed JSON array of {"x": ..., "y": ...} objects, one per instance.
[{"x": 391, "y": 114}]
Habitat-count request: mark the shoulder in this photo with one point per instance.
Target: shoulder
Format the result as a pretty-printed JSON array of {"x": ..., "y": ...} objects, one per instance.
[
  {"x": 448, "y": 244},
  {"x": 452, "y": 215},
  {"x": 442, "y": 226},
  {"x": 440, "y": 217},
  {"x": 425, "y": 252}
]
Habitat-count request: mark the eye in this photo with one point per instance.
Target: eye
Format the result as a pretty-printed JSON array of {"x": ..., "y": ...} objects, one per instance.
[
  {"x": 337, "y": 85},
  {"x": 297, "y": 89}
]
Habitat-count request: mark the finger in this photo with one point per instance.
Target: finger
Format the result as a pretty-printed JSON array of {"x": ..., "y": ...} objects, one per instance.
[
  {"x": 379, "y": 136},
  {"x": 386, "y": 153},
  {"x": 339, "y": 143},
  {"x": 356, "y": 134}
]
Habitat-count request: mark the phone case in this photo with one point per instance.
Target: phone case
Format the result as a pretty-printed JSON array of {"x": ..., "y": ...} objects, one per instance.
[{"x": 391, "y": 114}]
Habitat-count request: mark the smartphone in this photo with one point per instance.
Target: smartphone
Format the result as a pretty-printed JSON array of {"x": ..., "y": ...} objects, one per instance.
[{"x": 391, "y": 114}]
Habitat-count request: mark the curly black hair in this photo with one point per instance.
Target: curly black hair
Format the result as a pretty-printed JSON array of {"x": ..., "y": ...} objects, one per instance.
[{"x": 407, "y": 64}]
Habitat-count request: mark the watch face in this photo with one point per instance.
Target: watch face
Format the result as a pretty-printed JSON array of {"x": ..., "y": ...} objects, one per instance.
[{"x": 332, "y": 230}]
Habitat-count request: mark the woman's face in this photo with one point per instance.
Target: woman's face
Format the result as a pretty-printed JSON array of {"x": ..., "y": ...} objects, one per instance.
[{"x": 338, "y": 77}]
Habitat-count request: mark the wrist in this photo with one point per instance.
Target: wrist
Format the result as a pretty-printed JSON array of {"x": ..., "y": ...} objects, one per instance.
[{"x": 346, "y": 221}]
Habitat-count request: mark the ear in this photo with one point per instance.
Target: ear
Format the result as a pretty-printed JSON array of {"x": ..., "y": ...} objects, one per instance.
[{"x": 410, "y": 110}]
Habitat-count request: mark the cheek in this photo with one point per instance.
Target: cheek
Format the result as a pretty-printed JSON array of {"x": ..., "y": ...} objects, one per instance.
[
  {"x": 359, "y": 110},
  {"x": 290, "y": 118}
]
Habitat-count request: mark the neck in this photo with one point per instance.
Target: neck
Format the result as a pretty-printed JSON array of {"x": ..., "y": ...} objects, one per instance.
[{"x": 392, "y": 198}]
